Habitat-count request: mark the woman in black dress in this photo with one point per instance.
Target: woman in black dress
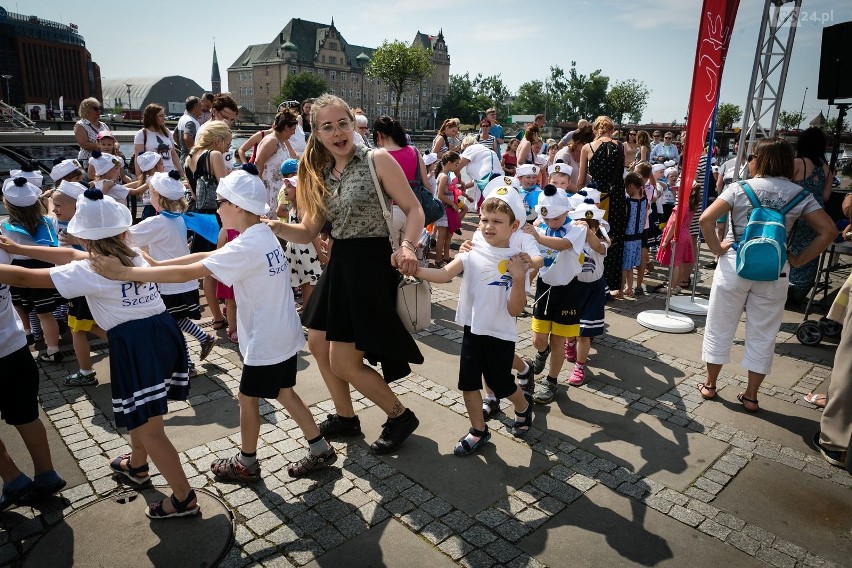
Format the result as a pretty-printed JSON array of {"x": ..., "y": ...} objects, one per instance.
[{"x": 603, "y": 160}]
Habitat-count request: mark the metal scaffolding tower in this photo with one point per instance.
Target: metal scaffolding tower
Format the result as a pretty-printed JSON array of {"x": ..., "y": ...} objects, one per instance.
[{"x": 771, "y": 61}]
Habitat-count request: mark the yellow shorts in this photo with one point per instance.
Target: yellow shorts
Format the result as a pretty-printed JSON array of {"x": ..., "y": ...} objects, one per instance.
[
  {"x": 77, "y": 325},
  {"x": 558, "y": 329}
]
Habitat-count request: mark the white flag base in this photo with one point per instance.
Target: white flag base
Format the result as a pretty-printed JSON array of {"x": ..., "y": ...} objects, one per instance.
[
  {"x": 689, "y": 305},
  {"x": 659, "y": 320}
]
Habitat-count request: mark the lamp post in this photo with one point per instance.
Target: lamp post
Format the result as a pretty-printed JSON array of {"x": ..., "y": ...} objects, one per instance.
[
  {"x": 8, "y": 79},
  {"x": 508, "y": 102},
  {"x": 802, "y": 110},
  {"x": 129, "y": 105},
  {"x": 435, "y": 118}
]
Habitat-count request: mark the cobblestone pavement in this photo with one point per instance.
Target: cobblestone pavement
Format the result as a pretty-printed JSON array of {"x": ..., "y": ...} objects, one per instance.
[{"x": 633, "y": 467}]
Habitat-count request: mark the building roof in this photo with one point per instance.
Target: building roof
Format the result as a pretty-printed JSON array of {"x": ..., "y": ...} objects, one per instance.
[
  {"x": 214, "y": 75},
  {"x": 151, "y": 89}
]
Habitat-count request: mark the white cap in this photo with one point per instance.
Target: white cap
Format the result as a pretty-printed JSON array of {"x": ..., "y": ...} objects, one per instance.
[
  {"x": 148, "y": 160},
  {"x": 99, "y": 216},
  {"x": 430, "y": 158},
  {"x": 593, "y": 193},
  {"x": 587, "y": 210},
  {"x": 669, "y": 163},
  {"x": 244, "y": 189},
  {"x": 72, "y": 189},
  {"x": 510, "y": 195},
  {"x": 560, "y": 168},
  {"x": 64, "y": 168},
  {"x": 168, "y": 185},
  {"x": 29, "y": 174},
  {"x": 500, "y": 181},
  {"x": 669, "y": 171},
  {"x": 657, "y": 168},
  {"x": 552, "y": 203},
  {"x": 103, "y": 162},
  {"x": 526, "y": 170},
  {"x": 20, "y": 192}
]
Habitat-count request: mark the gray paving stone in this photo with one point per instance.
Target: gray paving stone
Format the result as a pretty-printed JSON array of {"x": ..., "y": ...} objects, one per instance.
[
  {"x": 456, "y": 547},
  {"x": 436, "y": 532},
  {"x": 691, "y": 518},
  {"x": 479, "y": 536},
  {"x": 457, "y": 520},
  {"x": 775, "y": 557}
]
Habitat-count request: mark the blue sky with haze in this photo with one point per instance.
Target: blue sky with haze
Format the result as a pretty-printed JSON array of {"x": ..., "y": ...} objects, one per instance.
[{"x": 653, "y": 41}]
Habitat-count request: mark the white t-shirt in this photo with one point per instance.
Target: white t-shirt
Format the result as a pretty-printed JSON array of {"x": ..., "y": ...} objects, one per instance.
[
  {"x": 116, "y": 191},
  {"x": 297, "y": 141},
  {"x": 112, "y": 302},
  {"x": 152, "y": 144},
  {"x": 165, "y": 238},
  {"x": 484, "y": 295},
  {"x": 519, "y": 240},
  {"x": 12, "y": 336},
  {"x": 267, "y": 323},
  {"x": 482, "y": 161},
  {"x": 593, "y": 264}
]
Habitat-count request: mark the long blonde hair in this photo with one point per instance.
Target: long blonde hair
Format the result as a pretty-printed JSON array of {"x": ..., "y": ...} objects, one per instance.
[
  {"x": 215, "y": 130},
  {"x": 312, "y": 191}
]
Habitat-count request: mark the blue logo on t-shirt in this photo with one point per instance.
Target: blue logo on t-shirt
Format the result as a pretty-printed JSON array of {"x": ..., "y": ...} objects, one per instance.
[{"x": 277, "y": 262}]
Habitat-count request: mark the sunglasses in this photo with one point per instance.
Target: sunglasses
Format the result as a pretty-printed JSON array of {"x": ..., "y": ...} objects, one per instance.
[
  {"x": 631, "y": 134},
  {"x": 96, "y": 109},
  {"x": 751, "y": 157}
]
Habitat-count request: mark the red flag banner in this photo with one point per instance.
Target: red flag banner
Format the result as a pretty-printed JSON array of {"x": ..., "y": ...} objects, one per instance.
[{"x": 714, "y": 36}]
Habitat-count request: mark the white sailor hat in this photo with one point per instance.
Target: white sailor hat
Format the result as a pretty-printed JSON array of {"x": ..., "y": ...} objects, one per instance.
[
  {"x": 148, "y": 160},
  {"x": 168, "y": 184},
  {"x": 72, "y": 189},
  {"x": 27, "y": 171},
  {"x": 552, "y": 203},
  {"x": 20, "y": 192},
  {"x": 560, "y": 168},
  {"x": 244, "y": 189},
  {"x": 63, "y": 168},
  {"x": 103, "y": 162},
  {"x": 99, "y": 216},
  {"x": 587, "y": 210},
  {"x": 526, "y": 170}
]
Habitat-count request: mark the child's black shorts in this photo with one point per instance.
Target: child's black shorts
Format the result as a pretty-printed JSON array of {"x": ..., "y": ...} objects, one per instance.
[{"x": 489, "y": 357}]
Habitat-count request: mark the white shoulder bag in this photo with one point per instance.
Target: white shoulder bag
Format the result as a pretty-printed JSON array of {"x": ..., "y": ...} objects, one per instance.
[{"x": 414, "y": 297}]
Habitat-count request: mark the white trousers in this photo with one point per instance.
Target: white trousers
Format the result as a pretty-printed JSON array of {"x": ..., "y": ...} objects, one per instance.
[{"x": 764, "y": 306}]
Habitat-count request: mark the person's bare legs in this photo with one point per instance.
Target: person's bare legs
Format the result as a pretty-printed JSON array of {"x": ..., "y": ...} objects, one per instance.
[
  {"x": 307, "y": 290},
  {"x": 643, "y": 265},
  {"x": 231, "y": 306},
  {"x": 557, "y": 355},
  {"x": 473, "y": 403},
  {"x": 347, "y": 362},
  {"x": 82, "y": 350},
  {"x": 35, "y": 439},
  {"x": 299, "y": 412},
  {"x": 152, "y": 436},
  {"x": 50, "y": 329},
  {"x": 713, "y": 370},
  {"x": 8, "y": 469},
  {"x": 249, "y": 422},
  {"x": 754, "y": 382},
  {"x": 208, "y": 284},
  {"x": 337, "y": 387}
]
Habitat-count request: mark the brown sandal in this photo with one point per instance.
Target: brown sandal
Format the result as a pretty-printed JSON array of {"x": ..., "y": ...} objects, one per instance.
[{"x": 703, "y": 386}]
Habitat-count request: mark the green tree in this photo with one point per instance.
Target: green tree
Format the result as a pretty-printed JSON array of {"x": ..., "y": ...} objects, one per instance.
[
  {"x": 300, "y": 86},
  {"x": 787, "y": 120},
  {"x": 628, "y": 97},
  {"x": 728, "y": 114},
  {"x": 575, "y": 96},
  {"x": 493, "y": 90},
  {"x": 531, "y": 98},
  {"x": 400, "y": 66},
  {"x": 462, "y": 101},
  {"x": 831, "y": 125}
]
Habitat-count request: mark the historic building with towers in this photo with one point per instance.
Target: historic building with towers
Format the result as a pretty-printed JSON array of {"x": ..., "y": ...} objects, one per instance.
[{"x": 256, "y": 77}]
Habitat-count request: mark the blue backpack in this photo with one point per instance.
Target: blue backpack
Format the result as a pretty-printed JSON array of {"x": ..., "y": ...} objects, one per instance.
[{"x": 762, "y": 248}]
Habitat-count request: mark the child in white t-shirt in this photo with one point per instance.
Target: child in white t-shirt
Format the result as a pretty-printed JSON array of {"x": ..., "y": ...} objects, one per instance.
[
  {"x": 147, "y": 362},
  {"x": 268, "y": 326},
  {"x": 492, "y": 295},
  {"x": 165, "y": 236},
  {"x": 108, "y": 175}
]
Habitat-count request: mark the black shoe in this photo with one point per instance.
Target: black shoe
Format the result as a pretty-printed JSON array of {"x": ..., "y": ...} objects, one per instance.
[
  {"x": 711, "y": 265},
  {"x": 55, "y": 358},
  {"x": 333, "y": 427},
  {"x": 394, "y": 433},
  {"x": 540, "y": 361},
  {"x": 834, "y": 457}
]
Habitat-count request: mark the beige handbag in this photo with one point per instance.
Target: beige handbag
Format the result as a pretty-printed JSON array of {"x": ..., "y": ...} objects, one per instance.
[{"x": 414, "y": 297}]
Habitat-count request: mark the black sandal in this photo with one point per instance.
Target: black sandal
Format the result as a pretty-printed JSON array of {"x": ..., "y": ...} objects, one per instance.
[
  {"x": 219, "y": 324},
  {"x": 742, "y": 398},
  {"x": 138, "y": 475},
  {"x": 701, "y": 386},
  {"x": 182, "y": 508},
  {"x": 523, "y": 420}
]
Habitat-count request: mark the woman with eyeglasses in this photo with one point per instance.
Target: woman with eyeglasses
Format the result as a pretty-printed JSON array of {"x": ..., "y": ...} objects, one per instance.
[
  {"x": 351, "y": 314},
  {"x": 272, "y": 152},
  {"x": 155, "y": 137},
  {"x": 730, "y": 294},
  {"x": 87, "y": 128}
]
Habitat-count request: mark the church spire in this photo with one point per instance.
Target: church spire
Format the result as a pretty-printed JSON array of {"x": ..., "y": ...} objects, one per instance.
[{"x": 215, "y": 78}]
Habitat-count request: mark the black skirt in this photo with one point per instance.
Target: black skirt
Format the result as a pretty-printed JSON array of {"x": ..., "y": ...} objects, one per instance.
[
  {"x": 355, "y": 302},
  {"x": 183, "y": 305}
]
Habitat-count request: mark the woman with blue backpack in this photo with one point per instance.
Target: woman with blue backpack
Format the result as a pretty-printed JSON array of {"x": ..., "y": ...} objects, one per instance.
[{"x": 754, "y": 262}]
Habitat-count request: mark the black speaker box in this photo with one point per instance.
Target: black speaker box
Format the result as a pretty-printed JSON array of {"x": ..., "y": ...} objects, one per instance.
[{"x": 835, "y": 63}]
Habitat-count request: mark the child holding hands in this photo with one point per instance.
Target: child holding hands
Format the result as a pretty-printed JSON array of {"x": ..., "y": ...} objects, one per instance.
[{"x": 492, "y": 296}]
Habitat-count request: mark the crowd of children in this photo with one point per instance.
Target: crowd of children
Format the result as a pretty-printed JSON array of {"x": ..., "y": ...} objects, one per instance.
[{"x": 537, "y": 226}]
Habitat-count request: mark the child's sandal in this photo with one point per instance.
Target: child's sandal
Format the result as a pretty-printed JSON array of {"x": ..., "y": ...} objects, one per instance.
[
  {"x": 465, "y": 448},
  {"x": 523, "y": 420},
  {"x": 182, "y": 508},
  {"x": 137, "y": 475}
]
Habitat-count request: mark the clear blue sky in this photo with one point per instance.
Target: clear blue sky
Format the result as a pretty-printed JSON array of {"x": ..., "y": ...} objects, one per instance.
[{"x": 519, "y": 41}]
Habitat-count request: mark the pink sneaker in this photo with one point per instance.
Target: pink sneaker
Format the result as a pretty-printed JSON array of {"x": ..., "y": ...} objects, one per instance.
[
  {"x": 571, "y": 351},
  {"x": 578, "y": 376}
]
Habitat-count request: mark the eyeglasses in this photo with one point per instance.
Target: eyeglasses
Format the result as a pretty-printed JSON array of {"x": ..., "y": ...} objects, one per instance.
[
  {"x": 667, "y": 137},
  {"x": 219, "y": 203},
  {"x": 226, "y": 118},
  {"x": 344, "y": 124},
  {"x": 631, "y": 134},
  {"x": 96, "y": 109},
  {"x": 751, "y": 157}
]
